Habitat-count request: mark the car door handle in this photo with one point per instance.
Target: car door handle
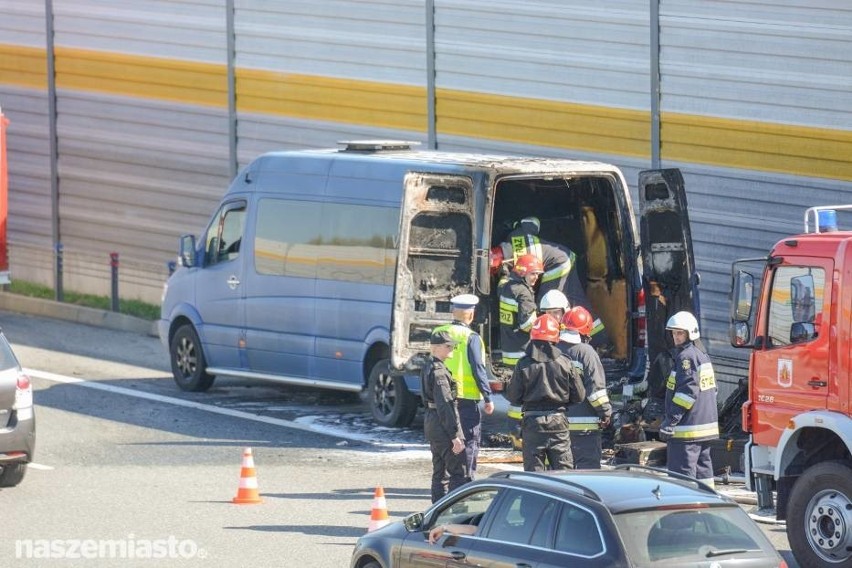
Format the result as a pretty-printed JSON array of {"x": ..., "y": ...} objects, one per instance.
[
  {"x": 458, "y": 555},
  {"x": 815, "y": 382},
  {"x": 233, "y": 282}
]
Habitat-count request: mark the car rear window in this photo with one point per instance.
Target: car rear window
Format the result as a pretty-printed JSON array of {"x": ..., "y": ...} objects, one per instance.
[
  {"x": 7, "y": 358},
  {"x": 691, "y": 536}
]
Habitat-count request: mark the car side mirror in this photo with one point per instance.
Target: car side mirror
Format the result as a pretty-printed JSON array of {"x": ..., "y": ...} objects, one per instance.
[{"x": 413, "y": 522}]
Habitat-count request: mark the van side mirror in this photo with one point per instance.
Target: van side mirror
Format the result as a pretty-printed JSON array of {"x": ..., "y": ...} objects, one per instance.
[
  {"x": 742, "y": 296},
  {"x": 187, "y": 251},
  {"x": 483, "y": 272}
]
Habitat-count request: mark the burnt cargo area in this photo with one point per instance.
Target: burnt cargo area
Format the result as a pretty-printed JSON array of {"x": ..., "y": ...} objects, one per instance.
[{"x": 586, "y": 214}]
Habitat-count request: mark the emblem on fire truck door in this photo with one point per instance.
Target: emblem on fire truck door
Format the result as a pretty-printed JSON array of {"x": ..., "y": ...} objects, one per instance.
[{"x": 785, "y": 373}]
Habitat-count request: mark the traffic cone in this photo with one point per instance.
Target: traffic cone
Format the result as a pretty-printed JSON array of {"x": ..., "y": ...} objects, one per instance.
[
  {"x": 379, "y": 514},
  {"x": 247, "y": 492}
]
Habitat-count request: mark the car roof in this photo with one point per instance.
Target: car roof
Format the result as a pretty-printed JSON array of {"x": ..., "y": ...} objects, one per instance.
[{"x": 626, "y": 488}]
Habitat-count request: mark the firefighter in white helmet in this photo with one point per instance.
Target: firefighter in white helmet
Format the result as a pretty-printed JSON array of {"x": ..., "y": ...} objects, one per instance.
[
  {"x": 554, "y": 303},
  {"x": 691, "y": 420}
]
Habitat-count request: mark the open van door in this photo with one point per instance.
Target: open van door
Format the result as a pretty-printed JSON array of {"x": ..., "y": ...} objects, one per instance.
[
  {"x": 435, "y": 261},
  {"x": 669, "y": 278}
]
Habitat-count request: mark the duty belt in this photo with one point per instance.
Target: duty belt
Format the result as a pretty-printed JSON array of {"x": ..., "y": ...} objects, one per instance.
[{"x": 543, "y": 412}]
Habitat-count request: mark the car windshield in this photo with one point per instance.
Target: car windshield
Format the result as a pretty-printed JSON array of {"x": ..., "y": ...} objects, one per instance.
[{"x": 690, "y": 536}]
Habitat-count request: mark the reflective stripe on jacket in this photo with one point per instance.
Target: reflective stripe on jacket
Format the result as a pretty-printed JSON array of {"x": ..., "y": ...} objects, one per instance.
[{"x": 691, "y": 396}]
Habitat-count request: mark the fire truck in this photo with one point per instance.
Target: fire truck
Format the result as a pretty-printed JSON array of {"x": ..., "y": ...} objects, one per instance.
[{"x": 793, "y": 309}]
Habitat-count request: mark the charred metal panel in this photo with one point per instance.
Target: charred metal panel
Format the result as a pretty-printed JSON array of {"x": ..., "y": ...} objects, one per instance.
[{"x": 669, "y": 278}]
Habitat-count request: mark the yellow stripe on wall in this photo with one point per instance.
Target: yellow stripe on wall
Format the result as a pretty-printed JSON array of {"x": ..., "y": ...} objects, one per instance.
[
  {"x": 370, "y": 103},
  {"x": 146, "y": 77},
  {"x": 23, "y": 66},
  {"x": 764, "y": 146},
  {"x": 588, "y": 128}
]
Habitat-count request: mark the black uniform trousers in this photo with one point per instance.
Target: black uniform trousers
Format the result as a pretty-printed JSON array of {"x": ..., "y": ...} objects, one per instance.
[
  {"x": 690, "y": 458},
  {"x": 471, "y": 424},
  {"x": 586, "y": 449},
  {"x": 449, "y": 470},
  {"x": 546, "y": 441}
]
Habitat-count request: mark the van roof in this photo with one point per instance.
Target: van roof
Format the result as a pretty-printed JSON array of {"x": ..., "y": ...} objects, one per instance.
[{"x": 470, "y": 160}]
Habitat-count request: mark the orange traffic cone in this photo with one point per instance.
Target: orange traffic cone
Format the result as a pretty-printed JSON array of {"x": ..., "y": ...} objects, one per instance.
[
  {"x": 247, "y": 493},
  {"x": 379, "y": 514}
]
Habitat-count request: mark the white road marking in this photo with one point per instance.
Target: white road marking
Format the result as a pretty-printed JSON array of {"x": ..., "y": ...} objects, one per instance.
[
  {"x": 321, "y": 429},
  {"x": 34, "y": 465}
]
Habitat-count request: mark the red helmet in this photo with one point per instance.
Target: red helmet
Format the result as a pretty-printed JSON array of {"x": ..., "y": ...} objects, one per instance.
[
  {"x": 495, "y": 258},
  {"x": 546, "y": 328},
  {"x": 578, "y": 319},
  {"x": 528, "y": 264}
]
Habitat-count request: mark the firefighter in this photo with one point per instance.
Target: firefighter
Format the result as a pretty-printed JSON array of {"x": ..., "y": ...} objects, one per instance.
[
  {"x": 467, "y": 365},
  {"x": 544, "y": 384},
  {"x": 517, "y": 315},
  {"x": 586, "y": 419},
  {"x": 441, "y": 423},
  {"x": 691, "y": 416},
  {"x": 554, "y": 303},
  {"x": 557, "y": 259}
]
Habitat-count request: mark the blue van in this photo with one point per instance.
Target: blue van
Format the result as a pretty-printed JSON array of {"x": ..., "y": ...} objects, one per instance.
[{"x": 328, "y": 268}]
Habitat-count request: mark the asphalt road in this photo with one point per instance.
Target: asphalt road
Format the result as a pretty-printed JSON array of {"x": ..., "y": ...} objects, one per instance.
[{"x": 124, "y": 457}]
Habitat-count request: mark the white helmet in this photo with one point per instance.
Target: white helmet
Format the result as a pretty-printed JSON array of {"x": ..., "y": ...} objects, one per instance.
[
  {"x": 554, "y": 299},
  {"x": 684, "y": 321}
]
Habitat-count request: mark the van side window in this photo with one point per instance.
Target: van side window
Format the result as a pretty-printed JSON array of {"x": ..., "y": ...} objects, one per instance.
[
  {"x": 795, "y": 305},
  {"x": 285, "y": 242},
  {"x": 222, "y": 242},
  {"x": 358, "y": 243},
  {"x": 334, "y": 241}
]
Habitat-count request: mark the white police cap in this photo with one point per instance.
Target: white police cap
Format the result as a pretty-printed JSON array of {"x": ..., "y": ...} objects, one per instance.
[{"x": 464, "y": 301}]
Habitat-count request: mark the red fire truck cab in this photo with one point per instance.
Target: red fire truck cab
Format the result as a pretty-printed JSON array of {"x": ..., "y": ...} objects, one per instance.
[{"x": 798, "y": 410}]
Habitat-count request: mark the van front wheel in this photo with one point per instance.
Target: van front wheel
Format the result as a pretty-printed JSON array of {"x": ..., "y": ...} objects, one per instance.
[
  {"x": 390, "y": 401},
  {"x": 188, "y": 364}
]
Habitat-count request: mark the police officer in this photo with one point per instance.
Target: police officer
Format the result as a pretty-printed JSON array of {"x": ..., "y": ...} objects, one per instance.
[
  {"x": 442, "y": 425},
  {"x": 557, "y": 259},
  {"x": 586, "y": 419},
  {"x": 691, "y": 418},
  {"x": 517, "y": 315},
  {"x": 467, "y": 365},
  {"x": 543, "y": 384}
]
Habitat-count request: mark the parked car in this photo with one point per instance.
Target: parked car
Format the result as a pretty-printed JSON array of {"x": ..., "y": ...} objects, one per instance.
[
  {"x": 17, "y": 419},
  {"x": 632, "y": 516}
]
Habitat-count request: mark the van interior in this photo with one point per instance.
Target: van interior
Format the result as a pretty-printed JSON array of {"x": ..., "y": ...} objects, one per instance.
[{"x": 581, "y": 213}]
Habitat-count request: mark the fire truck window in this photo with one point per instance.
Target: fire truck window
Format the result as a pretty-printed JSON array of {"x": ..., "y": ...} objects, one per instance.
[{"x": 795, "y": 305}]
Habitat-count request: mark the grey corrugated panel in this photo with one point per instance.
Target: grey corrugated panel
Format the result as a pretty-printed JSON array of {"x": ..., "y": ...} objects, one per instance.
[
  {"x": 259, "y": 134},
  {"x": 530, "y": 49},
  {"x": 370, "y": 40},
  {"x": 788, "y": 62},
  {"x": 190, "y": 30},
  {"x": 22, "y": 22}
]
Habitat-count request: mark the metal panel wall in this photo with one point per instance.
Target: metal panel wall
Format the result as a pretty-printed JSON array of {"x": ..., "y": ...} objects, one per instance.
[
  {"x": 143, "y": 133},
  {"x": 312, "y": 73}
]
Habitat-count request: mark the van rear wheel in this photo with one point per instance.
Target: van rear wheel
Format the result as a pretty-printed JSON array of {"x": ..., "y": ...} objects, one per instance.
[
  {"x": 188, "y": 364},
  {"x": 390, "y": 400}
]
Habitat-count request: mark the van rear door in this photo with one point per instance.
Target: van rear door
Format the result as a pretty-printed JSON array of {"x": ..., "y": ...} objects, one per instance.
[
  {"x": 669, "y": 278},
  {"x": 435, "y": 260}
]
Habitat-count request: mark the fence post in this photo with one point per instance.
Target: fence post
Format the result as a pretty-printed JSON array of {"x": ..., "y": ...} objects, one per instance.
[
  {"x": 60, "y": 293},
  {"x": 113, "y": 262}
]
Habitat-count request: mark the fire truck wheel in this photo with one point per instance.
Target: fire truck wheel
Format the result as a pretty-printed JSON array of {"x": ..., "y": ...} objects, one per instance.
[{"x": 819, "y": 516}]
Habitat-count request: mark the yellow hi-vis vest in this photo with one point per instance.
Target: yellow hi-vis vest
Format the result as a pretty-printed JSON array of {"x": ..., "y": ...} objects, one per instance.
[{"x": 458, "y": 363}]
